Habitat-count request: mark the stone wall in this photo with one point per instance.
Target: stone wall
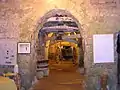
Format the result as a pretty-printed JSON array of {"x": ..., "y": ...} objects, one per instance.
[
  {"x": 9, "y": 22},
  {"x": 21, "y": 19}
]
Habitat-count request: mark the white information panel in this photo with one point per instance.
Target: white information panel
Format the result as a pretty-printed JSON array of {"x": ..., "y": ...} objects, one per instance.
[
  {"x": 8, "y": 52},
  {"x": 103, "y": 48}
]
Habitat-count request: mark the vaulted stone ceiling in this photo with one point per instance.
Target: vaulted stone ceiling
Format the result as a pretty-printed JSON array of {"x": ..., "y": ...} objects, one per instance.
[
  {"x": 86, "y": 11},
  {"x": 36, "y": 9},
  {"x": 30, "y": 11}
]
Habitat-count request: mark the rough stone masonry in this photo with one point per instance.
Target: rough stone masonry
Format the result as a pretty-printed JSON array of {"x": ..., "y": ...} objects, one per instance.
[{"x": 20, "y": 19}]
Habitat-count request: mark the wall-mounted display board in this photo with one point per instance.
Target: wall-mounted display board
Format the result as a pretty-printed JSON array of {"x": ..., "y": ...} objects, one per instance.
[
  {"x": 8, "y": 52},
  {"x": 103, "y": 48},
  {"x": 23, "y": 47}
]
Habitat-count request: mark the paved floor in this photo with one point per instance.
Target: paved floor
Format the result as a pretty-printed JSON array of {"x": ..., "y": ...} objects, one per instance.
[{"x": 61, "y": 78}]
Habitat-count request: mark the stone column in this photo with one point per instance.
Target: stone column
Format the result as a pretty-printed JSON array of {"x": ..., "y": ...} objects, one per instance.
[
  {"x": 94, "y": 71},
  {"x": 41, "y": 46}
]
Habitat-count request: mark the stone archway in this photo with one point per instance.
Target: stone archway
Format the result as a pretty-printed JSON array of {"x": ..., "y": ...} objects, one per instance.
[{"x": 52, "y": 13}]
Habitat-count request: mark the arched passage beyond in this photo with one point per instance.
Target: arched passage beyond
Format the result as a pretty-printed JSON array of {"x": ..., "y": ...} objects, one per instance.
[{"x": 59, "y": 29}]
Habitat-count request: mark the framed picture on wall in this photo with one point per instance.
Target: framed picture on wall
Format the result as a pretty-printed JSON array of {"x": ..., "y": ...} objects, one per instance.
[{"x": 24, "y": 47}]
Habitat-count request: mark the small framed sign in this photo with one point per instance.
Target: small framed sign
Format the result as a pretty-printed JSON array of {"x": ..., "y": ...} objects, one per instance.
[{"x": 24, "y": 47}]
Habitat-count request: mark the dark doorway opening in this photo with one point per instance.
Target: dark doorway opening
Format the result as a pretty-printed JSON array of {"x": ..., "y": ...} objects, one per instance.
[{"x": 67, "y": 53}]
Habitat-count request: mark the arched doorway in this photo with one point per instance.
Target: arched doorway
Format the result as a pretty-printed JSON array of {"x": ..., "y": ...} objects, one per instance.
[{"x": 59, "y": 38}]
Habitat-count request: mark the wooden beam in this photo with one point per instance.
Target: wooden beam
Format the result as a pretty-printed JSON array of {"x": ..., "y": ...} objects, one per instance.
[{"x": 72, "y": 36}]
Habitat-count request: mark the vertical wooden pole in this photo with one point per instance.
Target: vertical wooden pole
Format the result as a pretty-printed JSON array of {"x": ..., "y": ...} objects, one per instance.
[{"x": 103, "y": 82}]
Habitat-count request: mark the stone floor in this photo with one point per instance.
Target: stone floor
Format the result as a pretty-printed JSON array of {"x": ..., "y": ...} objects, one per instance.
[{"x": 61, "y": 79}]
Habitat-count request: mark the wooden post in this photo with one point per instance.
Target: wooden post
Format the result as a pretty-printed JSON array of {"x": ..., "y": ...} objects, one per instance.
[
  {"x": 17, "y": 80},
  {"x": 103, "y": 81}
]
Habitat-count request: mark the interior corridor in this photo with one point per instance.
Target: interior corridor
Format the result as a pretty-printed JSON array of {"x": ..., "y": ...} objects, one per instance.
[
  {"x": 64, "y": 73},
  {"x": 61, "y": 55},
  {"x": 61, "y": 78}
]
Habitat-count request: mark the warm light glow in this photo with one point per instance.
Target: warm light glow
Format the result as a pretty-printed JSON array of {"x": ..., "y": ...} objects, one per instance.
[
  {"x": 50, "y": 34},
  {"x": 58, "y": 3},
  {"x": 75, "y": 34},
  {"x": 68, "y": 34}
]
